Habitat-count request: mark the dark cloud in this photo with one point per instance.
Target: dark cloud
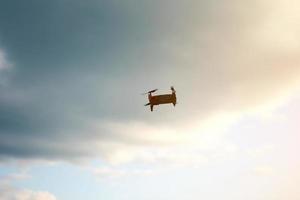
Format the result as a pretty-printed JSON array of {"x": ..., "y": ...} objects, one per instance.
[{"x": 78, "y": 66}]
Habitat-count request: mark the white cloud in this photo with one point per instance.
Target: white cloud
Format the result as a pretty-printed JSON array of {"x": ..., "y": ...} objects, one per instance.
[
  {"x": 8, "y": 179},
  {"x": 4, "y": 64},
  {"x": 114, "y": 172},
  {"x": 262, "y": 151},
  {"x": 9, "y": 192},
  {"x": 187, "y": 144},
  {"x": 4, "y": 67},
  {"x": 12, "y": 193},
  {"x": 264, "y": 170},
  {"x": 280, "y": 27}
]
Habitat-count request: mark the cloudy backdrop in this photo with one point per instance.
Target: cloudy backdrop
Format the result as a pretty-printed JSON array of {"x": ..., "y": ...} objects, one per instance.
[{"x": 71, "y": 75}]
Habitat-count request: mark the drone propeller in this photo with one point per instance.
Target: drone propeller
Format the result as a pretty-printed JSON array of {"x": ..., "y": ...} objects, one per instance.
[
  {"x": 172, "y": 88},
  {"x": 151, "y": 91}
]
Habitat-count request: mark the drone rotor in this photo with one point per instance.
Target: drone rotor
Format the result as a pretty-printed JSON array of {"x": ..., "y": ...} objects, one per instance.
[{"x": 149, "y": 92}]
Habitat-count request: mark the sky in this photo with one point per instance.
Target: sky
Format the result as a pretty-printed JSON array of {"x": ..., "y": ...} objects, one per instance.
[{"x": 73, "y": 123}]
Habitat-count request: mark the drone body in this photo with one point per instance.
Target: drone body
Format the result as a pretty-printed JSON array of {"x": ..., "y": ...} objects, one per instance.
[{"x": 161, "y": 99}]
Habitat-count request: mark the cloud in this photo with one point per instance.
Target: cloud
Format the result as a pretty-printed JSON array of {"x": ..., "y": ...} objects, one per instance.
[
  {"x": 111, "y": 172},
  {"x": 8, "y": 179},
  {"x": 74, "y": 92},
  {"x": 263, "y": 170},
  {"x": 261, "y": 151},
  {"x": 5, "y": 67},
  {"x": 12, "y": 193},
  {"x": 3, "y": 62}
]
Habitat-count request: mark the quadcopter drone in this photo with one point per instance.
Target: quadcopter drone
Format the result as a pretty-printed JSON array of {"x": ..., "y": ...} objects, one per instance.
[{"x": 161, "y": 99}]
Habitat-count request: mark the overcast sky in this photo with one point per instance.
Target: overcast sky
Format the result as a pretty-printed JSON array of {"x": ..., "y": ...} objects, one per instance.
[{"x": 71, "y": 75}]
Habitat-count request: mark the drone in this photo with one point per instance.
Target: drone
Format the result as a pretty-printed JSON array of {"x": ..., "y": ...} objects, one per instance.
[{"x": 161, "y": 99}]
